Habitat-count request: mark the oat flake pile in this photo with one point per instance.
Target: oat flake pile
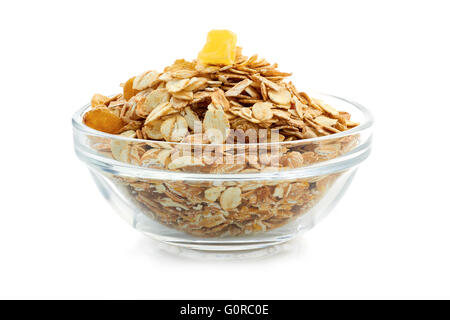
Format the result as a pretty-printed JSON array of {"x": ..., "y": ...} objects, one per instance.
[{"x": 226, "y": 100}]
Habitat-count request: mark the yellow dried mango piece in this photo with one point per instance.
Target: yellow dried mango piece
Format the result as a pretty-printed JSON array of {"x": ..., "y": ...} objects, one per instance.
[
  {"x": 220, "y": 48},
  {"x": 103, "y": 119},
  {"x": 128, "y": 90}
]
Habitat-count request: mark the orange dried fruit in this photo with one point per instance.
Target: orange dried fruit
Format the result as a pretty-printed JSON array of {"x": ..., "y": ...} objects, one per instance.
[
  {"x": 220, "y": 48},
  {"x": 103, "y": 119},
  {"x": 128, "y": 90}
]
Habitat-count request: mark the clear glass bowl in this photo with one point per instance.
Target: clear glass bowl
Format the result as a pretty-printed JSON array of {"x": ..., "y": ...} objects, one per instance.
[{"x": 217, "y": 205}]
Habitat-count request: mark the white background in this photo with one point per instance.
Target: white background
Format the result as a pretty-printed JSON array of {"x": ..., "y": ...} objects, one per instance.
[{"x": 388, "y": 238}]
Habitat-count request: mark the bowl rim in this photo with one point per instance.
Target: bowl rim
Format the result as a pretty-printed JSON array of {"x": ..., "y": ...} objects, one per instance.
[{"x": 367, "y": 123}]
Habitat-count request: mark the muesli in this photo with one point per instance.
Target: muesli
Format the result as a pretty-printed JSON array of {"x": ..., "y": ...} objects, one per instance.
[{"x": 221, "y": 113}]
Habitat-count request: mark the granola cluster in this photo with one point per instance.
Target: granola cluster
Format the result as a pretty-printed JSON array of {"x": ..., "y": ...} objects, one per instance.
[{"x": 208, "y": 118}]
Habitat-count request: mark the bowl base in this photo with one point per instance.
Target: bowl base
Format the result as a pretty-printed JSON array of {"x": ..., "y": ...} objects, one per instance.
[{"x": 222, "y": 246}]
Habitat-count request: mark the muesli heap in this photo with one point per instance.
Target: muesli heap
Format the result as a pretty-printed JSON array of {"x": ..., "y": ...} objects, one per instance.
[{"x": 219, "y": 99}]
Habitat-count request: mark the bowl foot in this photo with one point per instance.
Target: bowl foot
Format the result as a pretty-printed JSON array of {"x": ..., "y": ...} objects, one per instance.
[{"x": 226, "y": 245}]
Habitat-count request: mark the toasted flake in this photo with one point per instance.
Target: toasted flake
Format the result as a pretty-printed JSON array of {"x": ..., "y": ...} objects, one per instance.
[
  {"x": 216, "y": 126},
  {"x": 283, "y": 114},
  {"x": 262, "y": 111},
  {"x": 325, "y": 121},
  {"x": 183, "y": 95},
  {"x": 183, "y": 73},
  {"x": 151, "y": 101},
  {"x": 282, "y": 96},
  {"x": 174, "y": 128},
  {"x": 238, "y": 88},
  {"x": 185, "y": 161},
  {"x": 230, "y": 198},
  {"x": 120, "y": 149},
  {"x": 267, "y": 83},
  {"x": 192, "y": 119},
  {"x": 146, "y": 80},
  {"x": 153, "y": 130},
  {"x": 218, "y": 99},
  {"x": 327, "y": 108},
  {"x": 196, "y": 84},
  {"x": 160, "y": 111},
  {"x": 200, "y": 96},
  {"x": 292, "y": 159},
  {"x": 351, "y": 124},
  {"x": 212, "y": 194},
  {"x": 176, "y": 85},
  {"x": 178, "y": 103}
]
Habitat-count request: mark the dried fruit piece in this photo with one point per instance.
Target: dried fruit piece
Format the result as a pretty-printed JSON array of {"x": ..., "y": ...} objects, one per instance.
[
  {"x": 220, "y": 48},
  {"x": 103, "y": 119},
  {"x": 128, "y": 91}
]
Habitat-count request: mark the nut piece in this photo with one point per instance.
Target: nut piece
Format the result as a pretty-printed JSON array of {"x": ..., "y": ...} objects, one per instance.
[{"x": 230, "y": 198}]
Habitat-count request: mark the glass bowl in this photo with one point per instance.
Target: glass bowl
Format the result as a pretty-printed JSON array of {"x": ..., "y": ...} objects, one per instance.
[{"x": 198, "y": 196}]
